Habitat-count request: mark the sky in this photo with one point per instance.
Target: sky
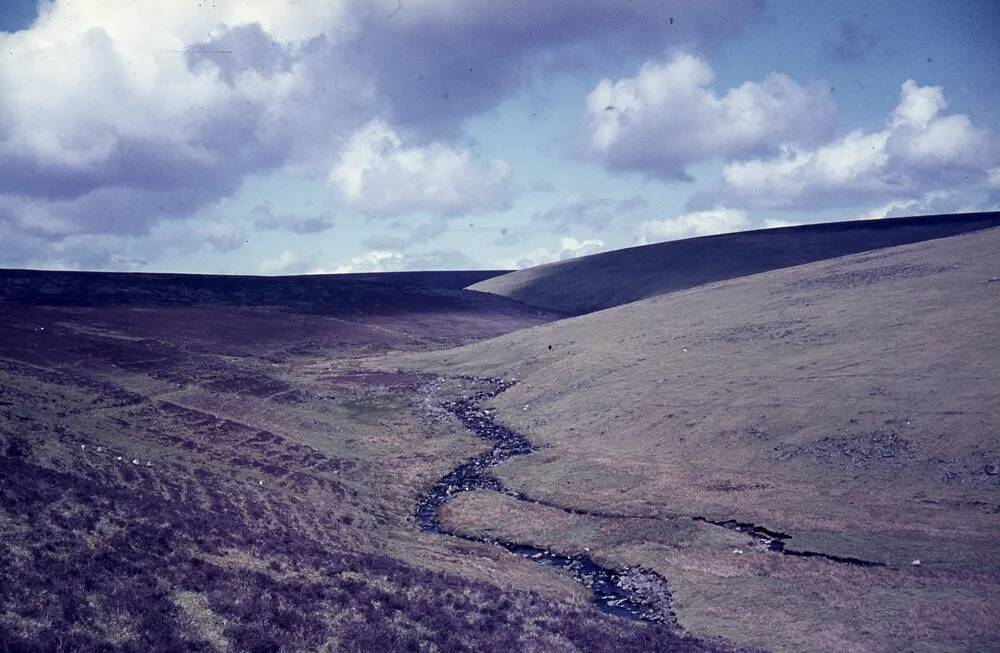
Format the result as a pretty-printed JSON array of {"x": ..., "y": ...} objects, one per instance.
[{"x": 309, "y": 136}]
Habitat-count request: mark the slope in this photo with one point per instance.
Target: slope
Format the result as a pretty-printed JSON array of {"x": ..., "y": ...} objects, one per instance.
[
  {"x": 609, "y": 279},
  {"x": 847, "y": 407}
]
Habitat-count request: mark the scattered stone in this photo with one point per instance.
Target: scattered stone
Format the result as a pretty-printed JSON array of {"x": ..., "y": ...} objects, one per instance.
[
  {"x": 915, "y": 563},
  {"x": 738, "y": 551},
  {"x": 135, "y": 461}
]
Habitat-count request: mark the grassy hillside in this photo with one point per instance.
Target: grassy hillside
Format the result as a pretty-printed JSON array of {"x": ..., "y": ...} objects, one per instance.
[
  {"x": 849, "y": 407},
  {"x": 180, "y": 471},
  {"x": 600, "y": 281}
]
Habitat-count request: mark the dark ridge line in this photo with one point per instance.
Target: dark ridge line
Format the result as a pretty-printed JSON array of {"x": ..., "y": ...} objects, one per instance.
[
  {"x": 776, "y": 541},
  {"x": 633, "y": 592}
]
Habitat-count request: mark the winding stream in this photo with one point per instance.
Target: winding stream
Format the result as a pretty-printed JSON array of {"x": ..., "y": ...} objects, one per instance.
[{"x": 633, "y": 593}]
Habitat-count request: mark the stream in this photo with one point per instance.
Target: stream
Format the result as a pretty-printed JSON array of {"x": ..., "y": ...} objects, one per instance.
[{"x": 632, "y": 593}]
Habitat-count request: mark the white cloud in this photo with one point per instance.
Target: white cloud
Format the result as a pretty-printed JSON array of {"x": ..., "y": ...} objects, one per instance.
[
  {"x": 919, "y": 151},
  {"x": 113, "y": 119},
  {"x": 376, "y": 172},
  {"x": 391, "y": 261},
  {"x": 934, "y": 202},
  {"x": 288, "y": 262},
  {"x": 568, "y": 248},
  {"x": 373, "y": 261},
  {"x": 699, "y": 223},
  {"x": 116, "y": 116},
  {"x": 668, "y": 116},
  {"x": 918, "y": 105},
  {"x": 774, "y": 223}
]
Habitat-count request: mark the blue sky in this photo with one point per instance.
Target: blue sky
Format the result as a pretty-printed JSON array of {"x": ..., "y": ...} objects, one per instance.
[{"x": 285, "y": 138}]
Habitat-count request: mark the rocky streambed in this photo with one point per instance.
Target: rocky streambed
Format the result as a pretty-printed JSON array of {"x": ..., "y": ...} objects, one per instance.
[{"x": 633, "y": 592}]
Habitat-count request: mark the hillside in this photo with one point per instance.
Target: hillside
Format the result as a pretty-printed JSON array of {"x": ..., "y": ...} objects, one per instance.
[
  {"x": 192, "y": 463},
  {"x": 845, "y": 409},
  {"x": 599, "y": 281}
]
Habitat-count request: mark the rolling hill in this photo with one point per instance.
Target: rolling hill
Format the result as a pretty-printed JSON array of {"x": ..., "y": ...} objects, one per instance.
[
  {"x": 599, "y": 281},
  {"x": 843, "y": 410}
]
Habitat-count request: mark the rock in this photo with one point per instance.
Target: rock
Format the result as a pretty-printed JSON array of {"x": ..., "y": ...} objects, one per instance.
[
  {"x": 915, "y": 563},
  {"x": 738, "y": 551},
  {"x": 135, "y": 461}
]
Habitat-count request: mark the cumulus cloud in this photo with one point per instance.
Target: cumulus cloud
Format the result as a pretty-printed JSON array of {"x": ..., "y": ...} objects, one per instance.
[
  {"x": 567, "y": 248},
  {"x": 115, "y": 117},
  {"x": 109, "y": 124},
  {"x": 376, "y": 172},
  {"x": 288, "y": 262},
  {"x": 577, "y": 210},
  {"x": 439, "y": 61},
  {"x": 390, "y": 261},
  {"x": 265, "y": 218},
  {"x": 774, "y": 223},
  {"x": 920, "y": 150},
  {"x": 372, "y": 261},
  {"x": 934, "y": 202},
  {"x": 668, "y": 116},
  {"x": 699, "y": 223}
]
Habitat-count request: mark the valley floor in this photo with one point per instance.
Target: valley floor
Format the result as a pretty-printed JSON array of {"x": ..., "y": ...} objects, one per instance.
[
  {"x": 805, "y": 459},
  {"x": 213, "y": 478}
]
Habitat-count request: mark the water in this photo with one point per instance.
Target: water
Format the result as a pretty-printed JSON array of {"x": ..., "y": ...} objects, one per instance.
[{"x": 633, "y": 593}]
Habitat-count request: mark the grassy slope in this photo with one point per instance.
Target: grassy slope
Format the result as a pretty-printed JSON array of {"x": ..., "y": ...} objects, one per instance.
[
  {"x": 852, "y": 403},
  {"x": 179, "y": 472},
  {"x": 610, "y": 279}
]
